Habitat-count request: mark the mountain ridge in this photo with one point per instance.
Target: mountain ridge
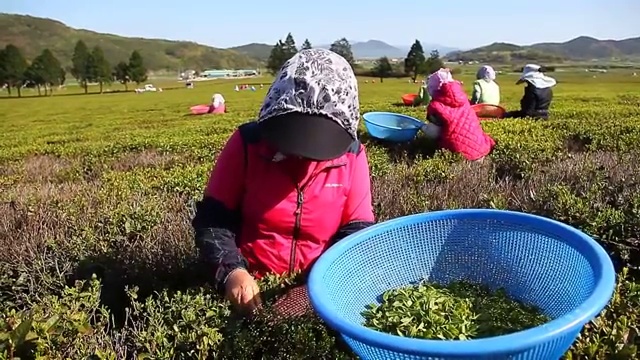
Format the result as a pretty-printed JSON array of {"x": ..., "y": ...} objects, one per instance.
[
  {"x": 579, "y": 48},
  {"x": 370, "y": 49},
  {"x": 33, "y": 34}
]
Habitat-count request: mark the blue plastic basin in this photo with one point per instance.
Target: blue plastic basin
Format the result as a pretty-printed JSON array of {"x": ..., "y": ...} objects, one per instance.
[
  {"x": 390, "y": 126},
  {"x": 537, "y": 260}
]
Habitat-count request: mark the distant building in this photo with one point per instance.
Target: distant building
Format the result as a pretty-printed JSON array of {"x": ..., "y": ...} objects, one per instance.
[
  {"x": 216, "y": 74},
  {"x": 596, "y": 70}
]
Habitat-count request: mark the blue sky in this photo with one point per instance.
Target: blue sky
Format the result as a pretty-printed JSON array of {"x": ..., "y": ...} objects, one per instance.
[{"x": 458, "y": 23}]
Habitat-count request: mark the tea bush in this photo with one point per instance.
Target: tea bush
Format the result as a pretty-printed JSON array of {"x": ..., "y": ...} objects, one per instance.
[{"x": 98, "y": 259}]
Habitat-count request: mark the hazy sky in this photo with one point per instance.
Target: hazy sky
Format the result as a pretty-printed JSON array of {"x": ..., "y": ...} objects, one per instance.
[{"x": 461, "y": 23}]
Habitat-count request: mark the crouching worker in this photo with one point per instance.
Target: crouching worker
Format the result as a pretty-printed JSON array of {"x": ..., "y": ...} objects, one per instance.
[
  {"x": 485, "y": 88},
  {"x": 289, "y": 185},
  {"x": 217, "y": 105},
  {"x": 538, "y": 94},
  {"x": 452, "y": 121}
]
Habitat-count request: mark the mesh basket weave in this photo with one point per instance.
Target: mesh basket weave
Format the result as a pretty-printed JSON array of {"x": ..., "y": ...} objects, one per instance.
[
  {"x": 295, "y": 302},
  {"x": 537, "y": 260}
]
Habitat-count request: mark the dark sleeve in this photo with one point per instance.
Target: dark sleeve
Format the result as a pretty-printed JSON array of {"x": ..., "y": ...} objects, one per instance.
[
  {"x": 349, "y": 229},
  {"x": 528, "y": 101},
  {"x": 217, "y": 218},
  {"x": 434, "y": 119},
  {"x": 215, "y": 236}
]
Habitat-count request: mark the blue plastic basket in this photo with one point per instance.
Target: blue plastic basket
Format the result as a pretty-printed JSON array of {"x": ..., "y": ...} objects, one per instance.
[
  {"x": 537, "y": 260},
  {"x": 391, "y": 126}
]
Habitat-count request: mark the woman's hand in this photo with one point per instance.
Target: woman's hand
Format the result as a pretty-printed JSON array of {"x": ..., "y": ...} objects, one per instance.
[{"x": 242, "y": 291}]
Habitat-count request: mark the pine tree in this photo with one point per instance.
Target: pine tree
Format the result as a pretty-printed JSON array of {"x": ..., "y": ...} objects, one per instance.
[
  {"x": 382, "y": 68},
  {"x": 433, "y": 63},
  {"x": 343, "y": 48},
  {"x": 54, "y": 73},
  {"x": 101, "y": 70},
  {"x": 306, "y": 45},
  {"x": 3, "y": 75},
  {"x": 137, "y": 70},
  {"x": 415, "y": 61},
  {"x": 44, "y": 71},
  {"x": 121, "y": 74},
  {"x": 80, "y": 61},
  {"x": 289, "y": 48},
  {"x": 34, "y": 75},
  {"x": 13, "y": 67},
  {"x": 276, "y": 58}
]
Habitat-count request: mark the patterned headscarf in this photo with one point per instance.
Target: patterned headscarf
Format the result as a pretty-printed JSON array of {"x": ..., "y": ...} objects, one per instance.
[
  {"x": 315, "y": 82},
  {"x": 486, "y": 72},
  {"x": 435, "y": 80}
]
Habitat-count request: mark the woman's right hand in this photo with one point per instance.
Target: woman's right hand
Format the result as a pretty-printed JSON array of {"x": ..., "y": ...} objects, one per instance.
[{"x": 242, "y": 291}]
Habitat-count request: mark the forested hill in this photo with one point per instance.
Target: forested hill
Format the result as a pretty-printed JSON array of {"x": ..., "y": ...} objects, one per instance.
[{"x": 33, "y": 34}]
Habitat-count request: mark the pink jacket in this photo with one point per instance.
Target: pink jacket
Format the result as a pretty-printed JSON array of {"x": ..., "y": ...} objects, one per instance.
[
  {"x": 461, "y": 130},
  {"x": 282, "y": 224}
]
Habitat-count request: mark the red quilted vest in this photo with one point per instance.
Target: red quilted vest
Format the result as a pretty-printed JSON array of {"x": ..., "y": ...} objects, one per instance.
[{"x": 461, "y": 131}]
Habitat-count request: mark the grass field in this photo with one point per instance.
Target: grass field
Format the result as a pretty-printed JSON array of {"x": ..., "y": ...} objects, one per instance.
[{"x": 100, "y": 184}]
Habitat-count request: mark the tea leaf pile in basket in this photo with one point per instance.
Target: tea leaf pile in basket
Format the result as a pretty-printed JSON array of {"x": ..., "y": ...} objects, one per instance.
[{"x": 458, "y": 311}]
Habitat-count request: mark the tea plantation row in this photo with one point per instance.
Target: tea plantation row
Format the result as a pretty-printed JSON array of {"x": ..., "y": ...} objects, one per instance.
[{"x": 98, "y": 259}]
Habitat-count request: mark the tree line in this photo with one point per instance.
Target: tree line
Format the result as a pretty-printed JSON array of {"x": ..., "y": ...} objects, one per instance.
[
  {"x": 416, "y": 63},
  {"x": 45, "y": 72},
  {"x": 284, "y": 50}
]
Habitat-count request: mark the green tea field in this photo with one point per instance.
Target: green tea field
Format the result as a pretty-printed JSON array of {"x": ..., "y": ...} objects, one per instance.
[{"x": 98, "y": 259}]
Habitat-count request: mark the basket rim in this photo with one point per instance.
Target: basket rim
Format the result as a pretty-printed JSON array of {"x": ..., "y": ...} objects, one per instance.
[
  {"x": 511, "y": 343},
  {"x": 409, "y": 95},
  {"x": 479, "y": 106},
  {"x": 414, "y": 120}
]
